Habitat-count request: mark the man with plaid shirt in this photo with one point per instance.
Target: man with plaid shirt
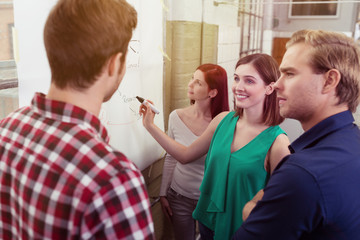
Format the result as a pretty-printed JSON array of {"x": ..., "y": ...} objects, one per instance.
[{"x": 59, "y": 177}]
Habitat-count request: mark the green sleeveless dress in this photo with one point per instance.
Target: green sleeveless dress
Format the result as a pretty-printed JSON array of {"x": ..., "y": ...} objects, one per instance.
[{"x": 231, "y": 179}]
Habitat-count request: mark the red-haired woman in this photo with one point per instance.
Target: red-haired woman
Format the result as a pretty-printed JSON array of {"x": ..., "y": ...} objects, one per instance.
[{"x": 179, "y": 192}]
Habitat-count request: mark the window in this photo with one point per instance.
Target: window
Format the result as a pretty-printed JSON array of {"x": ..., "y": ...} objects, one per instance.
[
  {"x": 250, "y": 19},
  {"x": 8, "y": 74},
  {"x": 313, "y": 9}
]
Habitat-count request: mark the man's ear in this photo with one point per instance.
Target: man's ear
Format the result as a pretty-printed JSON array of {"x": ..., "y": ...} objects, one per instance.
[
  {"x": 332, "y": 79},
  {"x": 270, "y": 88},
  {"x": 114, "y": 64}
]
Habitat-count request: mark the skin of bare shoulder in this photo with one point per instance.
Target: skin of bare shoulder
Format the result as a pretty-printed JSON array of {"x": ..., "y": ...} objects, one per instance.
[
  {"x": 196, "y": 121},
  {"x": 219, "y": 118},
  {"x": 214, "y": 123},
  {"x": 181, "y": 111}
]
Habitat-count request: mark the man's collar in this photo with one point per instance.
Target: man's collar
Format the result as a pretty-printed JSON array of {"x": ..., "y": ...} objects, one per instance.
[{"x": 327, "y": 125}]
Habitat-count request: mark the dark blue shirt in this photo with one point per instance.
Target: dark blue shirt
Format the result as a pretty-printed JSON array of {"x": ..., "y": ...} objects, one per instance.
[{"x": 315, "y": 192}]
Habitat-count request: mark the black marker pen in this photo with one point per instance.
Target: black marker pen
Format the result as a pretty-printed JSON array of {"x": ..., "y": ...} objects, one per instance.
[{"x": 143, "y": 101}]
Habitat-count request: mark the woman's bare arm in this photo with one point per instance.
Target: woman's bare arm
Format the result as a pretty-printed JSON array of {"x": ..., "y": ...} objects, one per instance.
[
  {"x": 251, "y": 204},
  {"x": 180, "y": 152},
  {"x": 278, "y": 150}
]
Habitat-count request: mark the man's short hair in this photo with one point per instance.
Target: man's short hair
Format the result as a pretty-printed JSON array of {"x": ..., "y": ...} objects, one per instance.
[
  {"x": 331, "y": 50},
  {"x": 81, "y": 35}
]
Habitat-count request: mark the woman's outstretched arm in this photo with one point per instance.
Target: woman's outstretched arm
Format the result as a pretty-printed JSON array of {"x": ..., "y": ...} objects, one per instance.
[{"x": 180, "y": 152}]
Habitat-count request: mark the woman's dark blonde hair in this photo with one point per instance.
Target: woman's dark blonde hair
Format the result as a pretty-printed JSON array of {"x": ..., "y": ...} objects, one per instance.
[
  {"x": 81, "y": 35},
  {"x": 331, "y": 50},
  {"x": 268, "y": 70}
]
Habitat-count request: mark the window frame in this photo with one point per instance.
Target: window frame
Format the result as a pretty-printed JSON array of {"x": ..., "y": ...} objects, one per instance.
[{"x": 297, "y": 3}]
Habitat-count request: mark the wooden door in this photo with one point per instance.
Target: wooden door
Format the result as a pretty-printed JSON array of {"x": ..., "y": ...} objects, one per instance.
[{"x": 279, "y": 48}]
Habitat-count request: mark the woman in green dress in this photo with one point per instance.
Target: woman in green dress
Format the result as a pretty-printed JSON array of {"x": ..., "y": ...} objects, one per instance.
[{"x": 244, "y": 146}]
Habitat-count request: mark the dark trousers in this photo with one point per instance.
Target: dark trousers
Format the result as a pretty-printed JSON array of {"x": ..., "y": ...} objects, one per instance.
[{"x": 205, "y": 232}]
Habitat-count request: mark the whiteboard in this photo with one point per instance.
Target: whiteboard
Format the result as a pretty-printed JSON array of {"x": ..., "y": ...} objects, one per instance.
[{"x": 144, "y": 75}]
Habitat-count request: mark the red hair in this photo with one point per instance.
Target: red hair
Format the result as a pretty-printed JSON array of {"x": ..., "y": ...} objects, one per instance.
[{"x": 216, "y": 78}]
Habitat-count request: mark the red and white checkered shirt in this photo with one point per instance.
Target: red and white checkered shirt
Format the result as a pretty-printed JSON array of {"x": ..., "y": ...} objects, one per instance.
[{"x": 60, "y": 179}]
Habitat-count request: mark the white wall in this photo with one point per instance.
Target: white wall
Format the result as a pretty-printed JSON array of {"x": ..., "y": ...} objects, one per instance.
[
  {"x": 223, "y": 15},
  {"x": 226, "y": 17},
  {"x": 184, "y": 10},
  {"x": 345, "y": 22}
]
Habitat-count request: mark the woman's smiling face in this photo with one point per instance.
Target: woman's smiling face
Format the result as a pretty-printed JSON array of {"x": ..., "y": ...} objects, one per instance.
[{"x": 248, "y": 87}]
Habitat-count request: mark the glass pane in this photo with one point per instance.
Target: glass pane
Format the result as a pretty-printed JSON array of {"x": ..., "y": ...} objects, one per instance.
[
  {"x": 317, "y": 8},
  {"x": 246, "y": 32},
  {"x": 8, "y": 101},
  {"x": 6, "y": 24},
  {"x": 8, "y": 73}
]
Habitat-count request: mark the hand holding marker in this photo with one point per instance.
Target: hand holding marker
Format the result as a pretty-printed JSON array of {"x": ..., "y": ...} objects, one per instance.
[{"x": 143, "y": 101}]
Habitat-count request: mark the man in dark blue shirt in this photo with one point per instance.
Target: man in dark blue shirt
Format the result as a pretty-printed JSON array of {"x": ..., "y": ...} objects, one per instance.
[{"x": 314, "y": 192}]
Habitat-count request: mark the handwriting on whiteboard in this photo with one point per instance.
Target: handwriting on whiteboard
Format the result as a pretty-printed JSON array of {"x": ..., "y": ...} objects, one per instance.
[
  {"x": 129, "y": 102},
  {"x": 133, "y": 54}
]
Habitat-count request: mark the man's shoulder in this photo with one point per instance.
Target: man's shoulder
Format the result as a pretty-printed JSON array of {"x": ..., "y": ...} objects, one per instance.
[
  {"x": 327, "y": 150},
  {"x": 84, "y": 147},
  {"x": 17, "y": 114},
  {"x": 102, "y": 150},
  {"x": 108, "y": 167},
  {"x": 328, "y": 170}
]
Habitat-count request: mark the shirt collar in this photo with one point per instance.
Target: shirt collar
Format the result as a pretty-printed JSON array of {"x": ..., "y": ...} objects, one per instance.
[
  {"x": 321, "y": 129},
  {"x": 66, "y": 112}
]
